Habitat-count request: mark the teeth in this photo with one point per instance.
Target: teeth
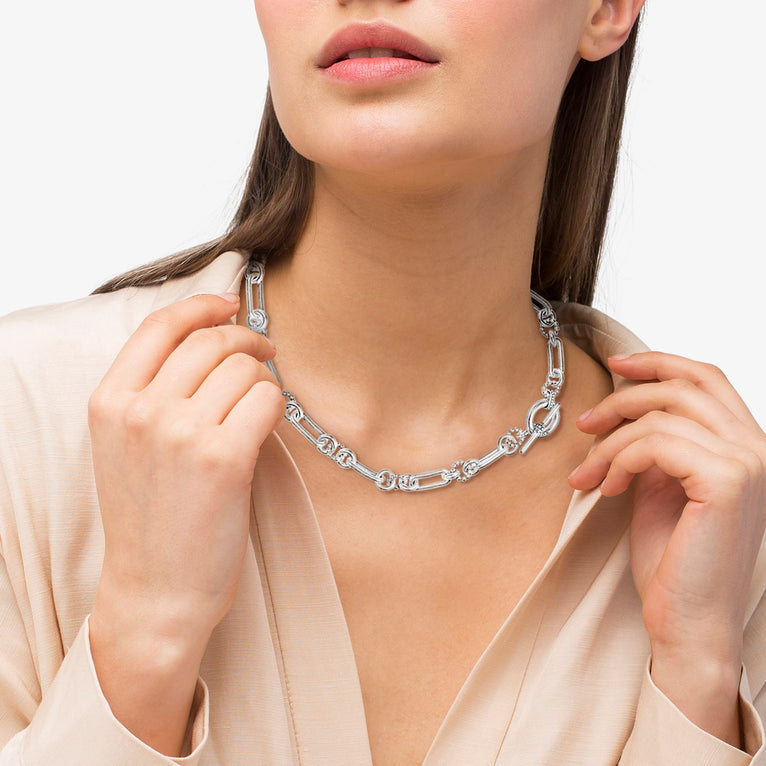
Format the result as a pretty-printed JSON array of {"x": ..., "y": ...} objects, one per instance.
[
  {"x": 376, "y": 53},
  {"x": 372, "y": 53}
]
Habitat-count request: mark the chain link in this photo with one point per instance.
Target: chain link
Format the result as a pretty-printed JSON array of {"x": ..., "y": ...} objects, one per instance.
[{"x": 543, "y": 417}]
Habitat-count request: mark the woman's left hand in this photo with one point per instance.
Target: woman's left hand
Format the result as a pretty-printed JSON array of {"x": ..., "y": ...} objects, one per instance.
[{"x": 699, "y": 514}]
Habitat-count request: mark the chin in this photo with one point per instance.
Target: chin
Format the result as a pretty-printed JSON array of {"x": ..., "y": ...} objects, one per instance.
[
  {"x": 387, "y": 150},
  {"x": 378, "y": 139}
]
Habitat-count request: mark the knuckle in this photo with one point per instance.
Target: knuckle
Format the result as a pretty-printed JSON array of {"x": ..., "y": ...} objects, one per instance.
[
  {"x": 713, "y": 371},
  {"x": 655, "y": 419},
  {"x": 160, "y": 319},
  {"x": 657, "y": 442},
  {"x": 99, "y": 406},
  {"x": 244, "y": 365},
  {"x": 680, "y": 386},
  {"x": 139, "y": 415},
  {"x": 754, "y": 465},
  {"x": 225, "y": 340},
  {"x": 217, "y": 457},
  {"x": 209, "y": 336},
  {"x": 181, "y": 432},
  {"x": 736, "y": 475}
]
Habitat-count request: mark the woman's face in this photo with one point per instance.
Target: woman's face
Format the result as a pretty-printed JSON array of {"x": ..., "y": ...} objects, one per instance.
[{"x": 487, "y": 84}]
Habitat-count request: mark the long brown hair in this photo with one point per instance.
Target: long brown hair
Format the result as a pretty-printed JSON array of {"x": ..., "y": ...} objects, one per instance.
[{"x": 573, "y": 214}]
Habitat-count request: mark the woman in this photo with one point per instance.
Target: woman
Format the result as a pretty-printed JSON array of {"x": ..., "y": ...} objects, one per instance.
[{"x": 256, "y": 603}]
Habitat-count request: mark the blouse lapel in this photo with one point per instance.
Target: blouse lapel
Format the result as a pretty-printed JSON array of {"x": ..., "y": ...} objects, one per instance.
[
  {"x": 310, "y": 631},
  {"x": 479, "y": 723}
]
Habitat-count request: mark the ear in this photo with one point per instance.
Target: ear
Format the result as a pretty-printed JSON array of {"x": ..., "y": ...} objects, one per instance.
[{"x": 607, "y": 27}]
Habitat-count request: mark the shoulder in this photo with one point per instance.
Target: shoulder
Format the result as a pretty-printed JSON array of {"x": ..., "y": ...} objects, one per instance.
[
  {"x": 596, "y": 333},
  {"x": 57, "y": 348},
  {"x": 51, "y": 359}
]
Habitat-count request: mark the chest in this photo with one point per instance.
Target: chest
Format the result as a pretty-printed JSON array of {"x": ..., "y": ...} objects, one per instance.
[{"x": 425, "y": 583}]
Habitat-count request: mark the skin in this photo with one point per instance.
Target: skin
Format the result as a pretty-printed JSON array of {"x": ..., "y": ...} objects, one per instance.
[
  {"x": 185, "y": 398},
  {"x": 421, "y": 187},
  {"x": 698, "y": 520}
]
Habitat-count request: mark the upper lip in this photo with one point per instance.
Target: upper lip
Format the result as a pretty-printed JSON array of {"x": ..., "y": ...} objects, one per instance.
[{"x": 361, "y": 35}]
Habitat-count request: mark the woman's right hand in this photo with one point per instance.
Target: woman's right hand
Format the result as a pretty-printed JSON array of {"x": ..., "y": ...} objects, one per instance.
[{"x": 176, "y": 426}]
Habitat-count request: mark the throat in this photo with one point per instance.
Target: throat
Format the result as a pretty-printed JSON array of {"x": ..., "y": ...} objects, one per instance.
[{"x": 370, "y": 360}]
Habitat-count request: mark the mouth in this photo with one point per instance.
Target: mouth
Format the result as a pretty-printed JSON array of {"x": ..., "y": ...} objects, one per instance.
[
  {"x": 372, "y": 41},
  {"x": 377, "y": 53}
]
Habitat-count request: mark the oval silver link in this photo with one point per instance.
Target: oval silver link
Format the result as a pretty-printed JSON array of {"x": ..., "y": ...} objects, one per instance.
[
  {"x": 547, "y": 426},
  {"x": 553, "y": 383},
  {"x": 407, "y": 482},
  {"x": 258, "y": 321},
  {"x": 510, "y": 442},
  {"x": 463, "y": 470},
  {"x": 386, "y": 480},
  {"x": 293, "y": 411},
  {"x": 542, "y": 429},
  {"x": 471, "y": 468},
  {"x": 256, "y": 271},
  {"x": 439, "y": 475},
  {"x": 546, "y": 316},
  {"x": 345, "y": 457},
  {"x": 555, "y": 358},
  {"x": 327, "y": 444}
]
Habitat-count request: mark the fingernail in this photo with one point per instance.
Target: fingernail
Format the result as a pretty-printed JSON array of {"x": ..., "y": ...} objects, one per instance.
[
  {"x": 574, "y": 472},
  {"x": 619, "y": 357},
  {"x": 585, "y": 415},
  {"x": 231, "y": 297}
]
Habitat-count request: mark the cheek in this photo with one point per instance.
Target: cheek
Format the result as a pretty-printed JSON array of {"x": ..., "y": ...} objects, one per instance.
[
  {"x": 285, "y": 26},
  {"x": 527, "y": 51},
  {"x": 282, "y": 24}
]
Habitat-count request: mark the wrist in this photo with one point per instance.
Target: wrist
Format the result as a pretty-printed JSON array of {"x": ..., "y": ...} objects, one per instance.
[
  {"x": 148, "y": 678},
  {"x": 704, "y": 688},
  {"x": 149, "y": 624},
  {"x": 152, "y": 648}
]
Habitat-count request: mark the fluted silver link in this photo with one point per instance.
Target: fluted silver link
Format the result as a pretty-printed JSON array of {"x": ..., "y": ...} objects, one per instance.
[{"x": 513, "y": 441}]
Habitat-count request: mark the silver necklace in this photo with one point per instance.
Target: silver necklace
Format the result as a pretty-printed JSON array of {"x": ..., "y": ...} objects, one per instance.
[{"x": 513, "y": 441}]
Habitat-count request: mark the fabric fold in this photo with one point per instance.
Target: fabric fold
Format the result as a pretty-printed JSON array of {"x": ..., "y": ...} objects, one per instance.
[{"x": 74, "y": 725}]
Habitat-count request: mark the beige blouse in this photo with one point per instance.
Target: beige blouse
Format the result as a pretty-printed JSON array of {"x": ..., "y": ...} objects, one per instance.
[{"x": 565, "y": 680}]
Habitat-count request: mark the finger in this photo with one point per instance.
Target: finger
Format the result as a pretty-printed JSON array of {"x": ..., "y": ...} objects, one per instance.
[
  {"x": 654, "y": 365},
  {"x": 592, "y": 471},
  {"x": 677, "y": 397},
  {"x": 254, "y": 417},
  {"x": 159, "y": 333},
  {"x": 702, "y": 473},
  {"x": 187, "y": 366},
  {"x": 226, "y": 385}
]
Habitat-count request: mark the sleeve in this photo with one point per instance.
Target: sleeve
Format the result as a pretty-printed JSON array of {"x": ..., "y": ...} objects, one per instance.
[
  {"x": 52, "y": 709},
  {"x": 663, "y": 736},
  {"x": 72, "y": 724}
]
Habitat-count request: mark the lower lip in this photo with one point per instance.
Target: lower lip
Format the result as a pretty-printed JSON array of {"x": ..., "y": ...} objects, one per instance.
[{"x": 371, "y": 71}]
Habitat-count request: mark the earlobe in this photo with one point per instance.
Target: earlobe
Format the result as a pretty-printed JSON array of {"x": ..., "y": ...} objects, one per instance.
[{"x": 607, "y": 27}]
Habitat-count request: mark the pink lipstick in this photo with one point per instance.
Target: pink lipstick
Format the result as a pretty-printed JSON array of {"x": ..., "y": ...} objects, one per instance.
[{"x": 374, "y": 53}]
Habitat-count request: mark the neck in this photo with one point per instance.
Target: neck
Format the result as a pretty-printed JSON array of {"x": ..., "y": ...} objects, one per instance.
[{"x": 412, "y": 301}]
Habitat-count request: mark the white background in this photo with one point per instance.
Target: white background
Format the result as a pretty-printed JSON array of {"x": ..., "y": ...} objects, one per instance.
[{"x": 127, "y": 127}]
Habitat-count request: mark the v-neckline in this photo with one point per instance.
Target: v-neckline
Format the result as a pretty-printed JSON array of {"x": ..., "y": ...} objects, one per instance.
[{"x": 321, "y": 679}]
